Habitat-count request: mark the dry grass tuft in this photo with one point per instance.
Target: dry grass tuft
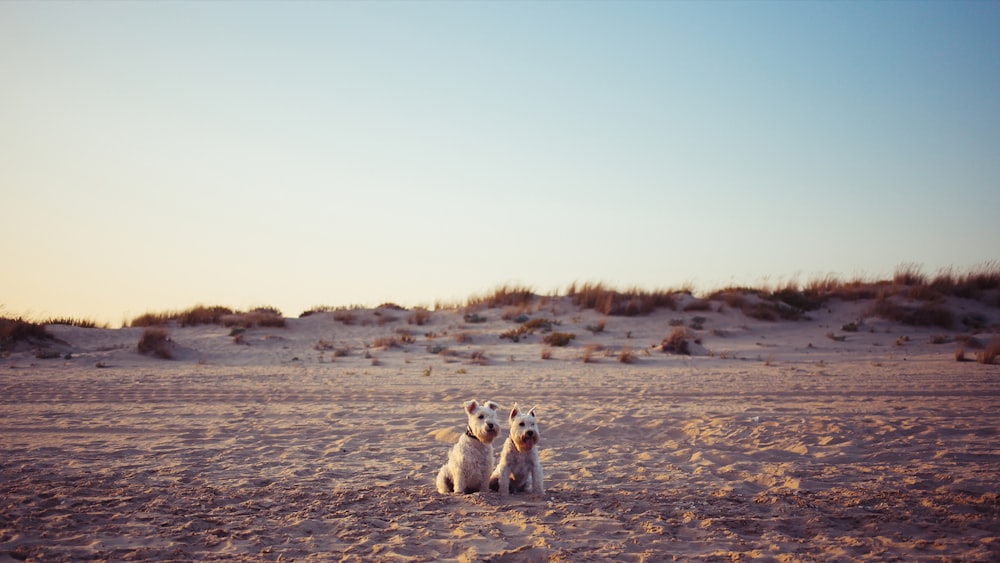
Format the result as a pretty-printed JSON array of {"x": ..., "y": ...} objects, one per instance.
[
  {"x": 478, "y": 357},
  {"x": 419, "y": 316},
  {"x": 989, "y": 354},
  {"x": 677, "y": 342},
  {"x": 503, "y": 296},
  {"x": 155, "y": 341},
  {"x": 558, "y": 338},
  {"x": 630, "y": 303},
  {"x": 926, "y": 314},
  {"x": 212, "y": 315},
  {"x": 70, "y": 321},
  {"x": 13, "y": 331},
  {"x": 626, "y": 355}
]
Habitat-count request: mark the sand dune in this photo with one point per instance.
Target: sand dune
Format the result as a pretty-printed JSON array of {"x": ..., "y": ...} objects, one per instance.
[{"x": 779, "y": 443}]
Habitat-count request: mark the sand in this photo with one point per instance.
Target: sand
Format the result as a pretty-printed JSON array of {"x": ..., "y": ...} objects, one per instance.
[{"x": 773, "y": 442}]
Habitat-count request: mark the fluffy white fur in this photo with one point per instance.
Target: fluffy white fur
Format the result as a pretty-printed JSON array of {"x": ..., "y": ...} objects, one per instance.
[
  {"x": 519, "y": 469},
  {"x": 471, "y": 459}
]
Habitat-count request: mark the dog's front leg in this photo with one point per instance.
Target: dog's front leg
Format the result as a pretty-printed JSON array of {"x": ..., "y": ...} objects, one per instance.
[
  {"x": 536, "y": 480},
  {"x": 503, "y": 480}
]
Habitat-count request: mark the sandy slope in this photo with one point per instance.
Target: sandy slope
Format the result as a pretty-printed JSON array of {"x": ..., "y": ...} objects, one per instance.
[{"x": 782, "y": 444}]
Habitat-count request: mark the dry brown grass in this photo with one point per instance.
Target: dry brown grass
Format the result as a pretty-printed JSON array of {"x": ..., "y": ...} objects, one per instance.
[
  {"x": 626, "y": 355},
  {"x": 629, "y": 303},
  {"x": 677, "y": 342},
  {"x": 209, "y": 315},
  {"x": 13, "y": 331},
  {"x": 72, "y": 321},
  {"x": 506, "y": 295},
  {"x": 419, "y": 316},
  {"x": 478, "y": 357},
  {"x": 155, "y": 341},
  {"x": 385, "y": 342},
  {"x": 558, "y": 338},
  {"x": 989, "y": 354},
  {"x": 926, "y": 314}
]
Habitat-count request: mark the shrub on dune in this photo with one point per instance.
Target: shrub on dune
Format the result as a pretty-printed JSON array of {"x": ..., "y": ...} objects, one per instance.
[{"x": 155, "y": 341}]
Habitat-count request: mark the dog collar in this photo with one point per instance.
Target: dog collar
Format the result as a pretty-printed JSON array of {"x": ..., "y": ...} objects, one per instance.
[{"x": 468, "y": 432}]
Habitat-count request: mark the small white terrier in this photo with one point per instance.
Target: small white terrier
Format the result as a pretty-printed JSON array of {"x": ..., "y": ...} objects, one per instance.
[
  {"x": 471, "y": 459},
  {"x": 519, "y": 469}
]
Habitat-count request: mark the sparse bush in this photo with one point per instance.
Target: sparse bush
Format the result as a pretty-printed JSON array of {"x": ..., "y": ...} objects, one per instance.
[
  {"x": 772, "y": 311},
  {"x": 202, "y": 315},
  {"x": 473, "y": 318},
  {"x": 260, "y": 317},
  {"x": 927, "y": 314},
  {"x": 626, "y": 355},
  {"x": 960, "y": 353},
  {"x": 151, "y": 319},
  {"x": 155, "y": 341},
  {"x": 385, "y": 342},
  {"x": 547, "y": 353},
  {"x": 405, "y": 337},
  {"x": 13, "y": 331},
  {"x": 798, "y": 300},
  {"x": 317, "y": 310},
  {"x": 677, "y": 342},
  {"x": 503, "y": 296},
  {"x": 909, "y": 274},
  {"x": 346, "y": 316},
  {"x": 599, "y": 327},
  {"x": 529, "y": 327},
  {"x": 989, "y": 354},
  {"x": 419, "y": 316},
  {"x": 630, "y": 303},
  {"x": 79, "y": 323},
  {"x": 588, "y": 353},
  {"x": 478, "y": 357},
  {"x": 462, "y": 337},
  {"x": 558, "y": 338}
]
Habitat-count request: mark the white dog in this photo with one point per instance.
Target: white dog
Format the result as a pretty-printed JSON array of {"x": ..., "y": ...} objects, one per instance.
[
  {"x": 471, "y": 459},
  {"x": 519, "y": 469}
]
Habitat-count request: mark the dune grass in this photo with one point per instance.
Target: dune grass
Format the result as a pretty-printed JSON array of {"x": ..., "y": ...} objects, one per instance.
[
  {"x": 155, "y": 341},
  {"x": 212, "y": 315},
  {"x": 16, "y": 330},
  {"x": 909, "y": 297}
]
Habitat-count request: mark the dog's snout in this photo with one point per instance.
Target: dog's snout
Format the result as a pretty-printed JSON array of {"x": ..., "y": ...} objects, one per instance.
[
  {"x": 531, "y": 433},
  {"x": 489, "y": 426}
]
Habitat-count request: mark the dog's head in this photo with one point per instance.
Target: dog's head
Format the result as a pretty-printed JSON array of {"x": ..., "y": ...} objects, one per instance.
[
  {"x": 483, "y": 423},
  {"x": 523, "y": 429}
]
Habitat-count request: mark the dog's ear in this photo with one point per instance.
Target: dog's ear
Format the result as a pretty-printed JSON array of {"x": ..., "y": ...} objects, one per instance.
[
  {"x": 532, "y": 411},
  {"x": 492, "y": 406},
  {"x": 513, "y": 411},
  {"x": 470, "y": 406}
]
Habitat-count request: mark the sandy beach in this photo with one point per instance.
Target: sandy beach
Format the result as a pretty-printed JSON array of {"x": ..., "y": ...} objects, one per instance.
[{"x": 320, "y": 440}]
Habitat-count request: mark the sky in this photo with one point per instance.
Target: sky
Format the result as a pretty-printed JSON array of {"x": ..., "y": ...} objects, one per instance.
[{"x": 158, "y": 155}]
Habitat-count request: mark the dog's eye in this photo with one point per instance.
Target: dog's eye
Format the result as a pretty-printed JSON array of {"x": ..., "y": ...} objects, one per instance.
[
  {"x": 481, "y": 417},
  {"x": 522, "y": 424}
]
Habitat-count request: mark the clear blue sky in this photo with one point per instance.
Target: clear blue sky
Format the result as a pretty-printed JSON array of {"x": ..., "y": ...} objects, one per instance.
[{"x": 155, "y": 155}]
